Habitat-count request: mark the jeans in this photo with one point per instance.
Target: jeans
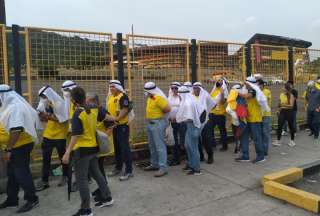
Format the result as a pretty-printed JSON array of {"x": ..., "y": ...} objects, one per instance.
[
  {"x": 122, "y": 148},
  {"x": 83, "y": 165},
  {"x": 157, "y": 146},
  {"x": 256, "y": 131},
  {"x": 19, "y": 175},
  {"x": 266, "y": 132},
  {"x": 314, "y": 122},
  {"x": 286, "y": 115},
  {"x": 179, "y": 134},
  {"x": 192, "y": 142},
  {"x": 47, "y": 148}
]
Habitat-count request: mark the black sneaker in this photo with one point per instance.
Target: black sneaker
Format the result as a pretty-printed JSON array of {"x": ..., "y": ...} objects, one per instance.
[
  {"x": 242, "y": 159},
  {"x": 42, "y": 185},
  {"x": 193, "y": 172},
  {"x": 210, "y": 160},
  {"x": 84, "y": 212},
  {"x": 186, "y": 168},
  {"x": 96, "y": 192},
  {"x": 7, "y": 204},
  {"x": 28, "y": 206},
  {"x": 174, "y": 163},
  {"x": 103, "y": 203}
]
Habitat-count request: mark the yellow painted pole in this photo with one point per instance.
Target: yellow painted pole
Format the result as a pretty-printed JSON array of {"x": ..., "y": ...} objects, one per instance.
[
  {"x": 5, "y": 56},
  {"x": 28, "y": 65}
]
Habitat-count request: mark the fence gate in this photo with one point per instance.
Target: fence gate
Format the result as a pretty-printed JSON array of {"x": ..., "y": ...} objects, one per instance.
[
  {"x": 220, "y": 58},
  {"x": 4, "y": 77},
  {"x": 56, "y": 55},
  {"x": 158, "y": 59}
]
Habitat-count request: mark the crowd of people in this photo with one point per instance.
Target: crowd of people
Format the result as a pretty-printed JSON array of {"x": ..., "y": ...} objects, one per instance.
[{"x": 71, "y": 124}]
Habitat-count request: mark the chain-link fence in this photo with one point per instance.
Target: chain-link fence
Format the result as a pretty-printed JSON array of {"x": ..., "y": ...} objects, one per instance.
[
  {"x": 220, "y": 59},
  {"x": 272, "y": 63},
  {"x": 158, "y": 59},
  {"x": 55, "y": 55}
]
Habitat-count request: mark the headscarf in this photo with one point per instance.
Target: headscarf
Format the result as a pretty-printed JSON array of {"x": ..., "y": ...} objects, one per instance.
[
  {"x": 224, "y": 86},
  {"x": 151, "y": 88},
  {"x": 188, "y": 85},
  {"x": 15, "y": 112},
  {"x": 261, "y": 98},
  {"x": 117, "y": 84},
  {"x": 58, "y": 104},
  {"x": 67, "y": 86},
  {"x": 205, "y": 98},
  {"x": 173, "y": 84},
  {"x": 258, "y": 76},
  {"x": 189, "y": 108}
]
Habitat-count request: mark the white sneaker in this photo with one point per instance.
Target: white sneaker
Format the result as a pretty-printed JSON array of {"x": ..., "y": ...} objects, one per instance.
[
  {"x": 291, "y": 143},
  {"x": 284, "y": 133},
  {"x": 276, "y": 143}
]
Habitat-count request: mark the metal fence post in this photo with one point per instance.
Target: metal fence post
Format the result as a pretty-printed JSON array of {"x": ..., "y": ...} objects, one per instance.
[
  {"x": 16, "y": 58},
  {"x": 290, "y": 65},
  {"x": 248, "y": 60},
  {"x": 193, "y": 60},
  {"x": 120, "y": 58}
]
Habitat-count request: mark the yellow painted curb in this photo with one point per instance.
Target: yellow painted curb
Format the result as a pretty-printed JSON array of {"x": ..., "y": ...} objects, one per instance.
[
  {"x": 292, "y": 195},
  {"x": 284, "y": 177}
]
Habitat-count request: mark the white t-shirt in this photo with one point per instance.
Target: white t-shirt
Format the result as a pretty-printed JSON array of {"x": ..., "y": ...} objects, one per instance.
[{"x": 174, "y": 103}]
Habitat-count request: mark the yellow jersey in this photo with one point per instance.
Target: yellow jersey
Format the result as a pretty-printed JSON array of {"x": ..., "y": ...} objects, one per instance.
[
  {"x": 115, "y": 104},
  {"x": 84, "y": 126},
  {"x": 55, "y": 130},
  {"x": 254, "y": 109},
  {"x": 220, "y": 108},
  {"x": 155, "y": 106}
]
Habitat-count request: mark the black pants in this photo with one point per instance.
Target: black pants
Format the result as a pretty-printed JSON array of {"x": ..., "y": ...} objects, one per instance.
[
  {"x": 101, "y": 165},
  {"x": 205, "y": 143},
  {"x": 286, "y": 115},
  {"x": 47, "y": 147},
  {"x": 313, "y": 119},
  {"x": 208, "y": 138},
  {"x": 179, "y": 134},
  {"x": 19, "y": 175},
  {"x": 122, "y": 148}
]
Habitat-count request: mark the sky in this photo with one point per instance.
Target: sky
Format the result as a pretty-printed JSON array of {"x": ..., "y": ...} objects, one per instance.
[{"x": 217, "y": 20}]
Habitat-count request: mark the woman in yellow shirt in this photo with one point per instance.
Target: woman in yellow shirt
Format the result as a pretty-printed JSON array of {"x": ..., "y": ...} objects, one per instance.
[
  {"x": 286, "y": 114},
  {"x": 84, "y": 148},
  {"x": 156, "y": 110}
]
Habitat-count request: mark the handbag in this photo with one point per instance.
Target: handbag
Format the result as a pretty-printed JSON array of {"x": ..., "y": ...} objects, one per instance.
[{"x": 103, "y": 142}]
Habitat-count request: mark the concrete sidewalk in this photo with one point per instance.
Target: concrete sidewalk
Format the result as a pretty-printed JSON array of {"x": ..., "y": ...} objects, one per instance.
[{"x": 226, "y": 188}]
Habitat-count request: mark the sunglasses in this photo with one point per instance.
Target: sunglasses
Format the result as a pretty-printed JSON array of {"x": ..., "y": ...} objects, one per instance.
[{"x": 174, "y": 88}]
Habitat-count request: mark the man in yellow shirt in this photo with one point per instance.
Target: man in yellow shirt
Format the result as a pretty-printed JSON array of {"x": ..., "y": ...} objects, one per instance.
[
  {"x": 156, "y": 110},
  {"x": 51, "y": 110},
  {"x": 266, "y": 118},
  {"x": 118, "y": 110},
  {"x": 217, "y": 118},
  {"x": 19, "y": 120},
  {"x": 254, "y": 120}
]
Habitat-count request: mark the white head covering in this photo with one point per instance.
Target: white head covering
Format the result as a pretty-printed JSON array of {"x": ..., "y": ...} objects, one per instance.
[
  {"x": 151, "y": 88},
  {"x": 236, "y": 86},
  {"x": 173, "y": 84},
  {"x": 57, "y": 102},
  {"x": 15, "y": 111},
  {"x": 205, "y": 98},
  {"x": 261, "y": 98},
  {"x": 310, "y": 83},
  {"x": 67, "y": 86},
  {"x": 189, "y": 108},
  {"x": 188, "y": 85},
  {"x": 258, "y": 76}
]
